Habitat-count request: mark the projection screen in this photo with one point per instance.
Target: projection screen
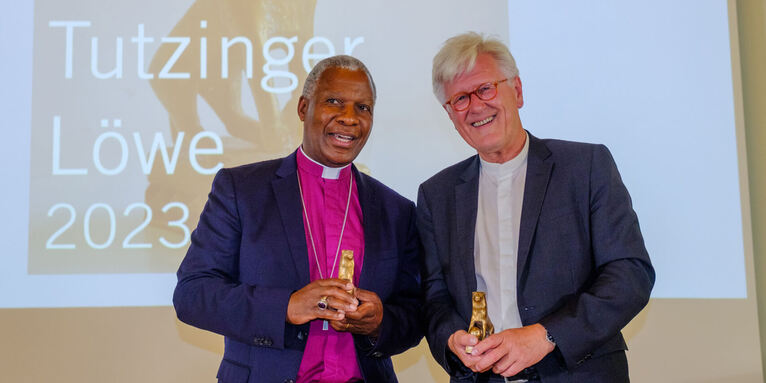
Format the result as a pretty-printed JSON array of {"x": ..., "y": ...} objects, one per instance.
[{"x": 118, "y": 114}]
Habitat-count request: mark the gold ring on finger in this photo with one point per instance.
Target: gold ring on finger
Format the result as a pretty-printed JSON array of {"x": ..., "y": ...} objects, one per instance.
[{"x": 322, "y": 302}]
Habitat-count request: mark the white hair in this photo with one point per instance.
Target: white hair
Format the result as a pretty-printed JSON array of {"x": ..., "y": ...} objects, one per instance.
[{"x": 458, "y": 55}]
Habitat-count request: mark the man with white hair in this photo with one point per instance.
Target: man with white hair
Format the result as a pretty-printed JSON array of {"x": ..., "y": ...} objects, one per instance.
[{"x": 544, "y": 227}]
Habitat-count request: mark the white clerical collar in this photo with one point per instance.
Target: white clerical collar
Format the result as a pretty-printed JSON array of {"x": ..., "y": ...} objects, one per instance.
[
  {"x": 327, "y": 171},
  {"x": 506, "y": 169}
]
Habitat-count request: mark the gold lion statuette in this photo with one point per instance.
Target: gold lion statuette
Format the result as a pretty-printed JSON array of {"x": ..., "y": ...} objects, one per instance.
[
  {"x": 346, "y": 270},
  {"x": 480, "y": 326}
]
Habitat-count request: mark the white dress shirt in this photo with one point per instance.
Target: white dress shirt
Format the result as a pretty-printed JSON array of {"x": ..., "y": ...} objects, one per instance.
[{"x": 496, "y": 241}]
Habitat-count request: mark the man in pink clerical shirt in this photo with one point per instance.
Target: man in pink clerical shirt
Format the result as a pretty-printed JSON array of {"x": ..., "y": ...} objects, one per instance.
[{"x": 264, "y": 264}]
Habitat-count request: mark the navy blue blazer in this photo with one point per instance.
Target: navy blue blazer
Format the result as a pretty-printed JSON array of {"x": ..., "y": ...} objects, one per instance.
[
  {"x": 249, "y": 254},
  {"x": 583, "y": 271}
]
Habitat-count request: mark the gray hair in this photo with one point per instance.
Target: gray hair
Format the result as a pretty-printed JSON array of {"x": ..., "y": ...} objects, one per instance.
[
  {"x": 339, "y": 61},
  {"x": 458, "y": 55}
]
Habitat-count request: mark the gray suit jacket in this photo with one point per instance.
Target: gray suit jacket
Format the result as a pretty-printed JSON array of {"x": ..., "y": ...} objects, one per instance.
[{"x": 583, "y": 271}]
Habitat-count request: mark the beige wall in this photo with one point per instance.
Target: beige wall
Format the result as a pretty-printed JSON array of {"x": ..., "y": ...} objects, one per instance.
[{"x": 752, "y": 34}]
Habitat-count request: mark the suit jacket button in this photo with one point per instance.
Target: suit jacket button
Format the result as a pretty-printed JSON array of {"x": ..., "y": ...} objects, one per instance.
[
  {"x": 267, "y": 342},
  {"x": 377, "y": 354},
  {"x": 289, "y": 381},
  {"x": 300, "y": 335}
]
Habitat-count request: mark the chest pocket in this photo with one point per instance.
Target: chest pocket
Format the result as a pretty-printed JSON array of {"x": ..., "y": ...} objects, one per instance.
[{"x": 379, "y": 272}]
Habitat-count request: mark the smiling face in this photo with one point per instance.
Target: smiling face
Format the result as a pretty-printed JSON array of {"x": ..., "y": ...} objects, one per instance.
[
  {"x": 337, "y": 118},
  {"x": 491, "y": 127}
]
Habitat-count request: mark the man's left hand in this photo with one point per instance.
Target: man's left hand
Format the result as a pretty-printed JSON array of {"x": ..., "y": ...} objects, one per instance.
[
  {"x": 510, "y": 351},
  {"x": 367, "y": 317}
]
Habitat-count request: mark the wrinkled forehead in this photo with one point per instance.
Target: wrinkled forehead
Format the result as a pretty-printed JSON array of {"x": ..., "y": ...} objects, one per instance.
[
  {"x": 340, "y": 77},
  {"x": 482, "y": 70},
  {"x": 332, "y": 73},
  {"x": 346, "y": 81}
]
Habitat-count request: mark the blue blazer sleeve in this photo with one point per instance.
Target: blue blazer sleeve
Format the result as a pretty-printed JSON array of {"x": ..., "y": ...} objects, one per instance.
[
  {"x": 441, "y": 316},
  {"x": 209, "y": 294},
  {"x": 391, "y": 269},
  {"x": 401, "y": 327},
  {"x": 619, "y": 279}
]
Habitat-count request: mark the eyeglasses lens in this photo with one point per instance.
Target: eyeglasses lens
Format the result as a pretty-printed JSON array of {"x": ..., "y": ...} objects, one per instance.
[{"x": 484, "y": 92}]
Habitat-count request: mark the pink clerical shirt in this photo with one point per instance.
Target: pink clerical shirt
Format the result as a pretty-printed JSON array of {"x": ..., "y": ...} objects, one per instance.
[{"x": 330, "y": 356}]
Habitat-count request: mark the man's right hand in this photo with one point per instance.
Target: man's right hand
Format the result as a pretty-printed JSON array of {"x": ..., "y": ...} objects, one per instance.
[
  {"x": 302, "y": 306},
  {"x": 457, "y": 343}
]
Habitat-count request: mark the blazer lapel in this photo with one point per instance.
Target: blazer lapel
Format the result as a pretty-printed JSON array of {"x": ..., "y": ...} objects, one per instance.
[
  {"x": 466, "y": 207},
  {"x": 288, "y": 198},
  {"x": 538, "y": 175},
  {"x": 370, "y": 219}
]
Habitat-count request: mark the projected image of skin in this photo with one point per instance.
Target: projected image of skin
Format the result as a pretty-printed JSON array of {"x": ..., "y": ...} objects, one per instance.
[
  {"x": 228, "y": 43},
  {"x": 239, "y": 54},
  {"x": 131, "y": 113},
  {"x": 130, "y": 124}
]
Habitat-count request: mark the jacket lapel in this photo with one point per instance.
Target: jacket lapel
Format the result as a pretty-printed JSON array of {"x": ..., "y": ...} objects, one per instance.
[
  {"x": 466, "y": 207},
  {"x": 288, "y": 198},
  {"x": 370, "y": 219},
  {"x": 538, "y": 176}
]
